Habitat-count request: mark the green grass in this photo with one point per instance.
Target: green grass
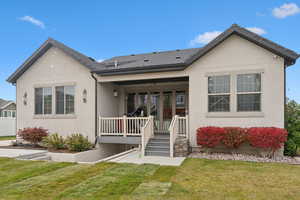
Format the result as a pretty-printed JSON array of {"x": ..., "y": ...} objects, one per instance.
[
  {"x": 194, "y": 179},
  {"x": 7, "y": 138}
]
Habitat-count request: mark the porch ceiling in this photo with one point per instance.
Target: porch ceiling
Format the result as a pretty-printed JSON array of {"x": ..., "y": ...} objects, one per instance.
[{"x": 161, "y": 80}]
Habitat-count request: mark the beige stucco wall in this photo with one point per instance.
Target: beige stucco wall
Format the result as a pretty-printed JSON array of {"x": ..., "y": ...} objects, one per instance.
[
  {"x": 53, "y": 68},
  {"x": 235, "y": 55}
]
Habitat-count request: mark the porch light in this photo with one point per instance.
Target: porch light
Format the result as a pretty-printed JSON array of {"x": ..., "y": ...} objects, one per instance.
[
  {"x": 115, "y": 93},
  {"x": 84, "y": 96},
  {"x": 25, "y": 99}
]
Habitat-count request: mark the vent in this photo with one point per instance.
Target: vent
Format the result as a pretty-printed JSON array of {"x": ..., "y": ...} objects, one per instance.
[
  {"x": 146, "y": 60},
  {"x": 178, "y": 57}
]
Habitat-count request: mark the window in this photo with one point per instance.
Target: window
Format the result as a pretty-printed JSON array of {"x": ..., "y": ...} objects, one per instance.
[
  {"x": 65, "y": 99},
  {"x": 248, "y": 92},
  {"x": 43, "y": 101},
  {"x": 219, "y": 93},
  {"x": 180, "y": 103}
]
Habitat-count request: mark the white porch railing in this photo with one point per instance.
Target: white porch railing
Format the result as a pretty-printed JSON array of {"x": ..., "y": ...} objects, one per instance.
[
  {"x": 121, "y": 126},
  {"x": 178, "y": 127},
  {"x": 147, "y": 133}
]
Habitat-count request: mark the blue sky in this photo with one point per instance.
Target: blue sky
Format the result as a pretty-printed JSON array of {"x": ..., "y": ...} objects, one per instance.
[{"x": 102, "y": 29}]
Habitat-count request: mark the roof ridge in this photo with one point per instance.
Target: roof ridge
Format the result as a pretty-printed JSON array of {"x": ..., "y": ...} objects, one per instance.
[{"x": 155, "y": 52}]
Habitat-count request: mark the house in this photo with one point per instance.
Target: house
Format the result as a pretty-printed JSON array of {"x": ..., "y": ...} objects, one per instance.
[
  {"x": 7, "y": 108},
  {"x": 238, "y": 79}
]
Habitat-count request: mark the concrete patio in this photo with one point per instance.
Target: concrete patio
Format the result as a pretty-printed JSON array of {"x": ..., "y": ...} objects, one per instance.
[{"x": 135, "y": 158}]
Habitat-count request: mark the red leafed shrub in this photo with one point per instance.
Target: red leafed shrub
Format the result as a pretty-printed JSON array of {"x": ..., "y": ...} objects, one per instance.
[
  {"x": 210, "y": 136},
  {"x": 234, "y": 136},
  {"x": 271, "y": 138},
  {"x": 33, "y": 135}
]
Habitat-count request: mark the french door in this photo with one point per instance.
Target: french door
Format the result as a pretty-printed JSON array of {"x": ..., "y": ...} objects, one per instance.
[{"x": 163, "y": 105}]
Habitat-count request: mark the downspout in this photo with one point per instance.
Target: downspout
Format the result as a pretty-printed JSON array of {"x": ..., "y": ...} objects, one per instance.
[
  {"x": 96, "y": 107},
  {"x": 285, "y": 100}
]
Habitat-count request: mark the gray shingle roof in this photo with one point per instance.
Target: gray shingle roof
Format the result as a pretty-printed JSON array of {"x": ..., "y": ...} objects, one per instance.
[
  {"x": 158, "y": 61},
  {"x": 167, "y": 60}
]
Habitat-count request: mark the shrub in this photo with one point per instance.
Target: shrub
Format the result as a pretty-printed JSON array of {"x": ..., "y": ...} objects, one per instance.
[
  {"x": 54, "y": 141},
  {"x": 269, "y": 138},
  {"x": 234, "y": 136},
  {"x": 33, "y": 135},
  {"x": 292, "y": 121},
  {"x": 290, "y": 148},
  {"x": 210, "y": 136},
  {"x": 78, "y": 143}
]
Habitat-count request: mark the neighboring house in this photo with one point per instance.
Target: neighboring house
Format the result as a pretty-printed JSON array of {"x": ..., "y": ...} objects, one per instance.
[
  {"x": 238, "y": 79},
  {"x": 7, "y": 108},
  {"x": 7, "y": 118}
]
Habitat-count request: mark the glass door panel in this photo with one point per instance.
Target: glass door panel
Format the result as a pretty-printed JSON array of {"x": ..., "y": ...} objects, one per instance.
[
  {"x": 155, "y": 109},
  {"x": 167, "y": 111},
  {"x": 180, "y": 103},
  {"x": 143, "y": 104}
]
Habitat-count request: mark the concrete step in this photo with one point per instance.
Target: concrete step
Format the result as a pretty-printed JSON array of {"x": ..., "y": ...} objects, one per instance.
[
  {"x": 157, "y": 144},
  {"x": 42, "y": 158},
  {"x": 31, "y": 156},
  {"x": 159, "y": 140},
  {"x": 158, "y": 148},
  {"x": 157, "y": 153}
]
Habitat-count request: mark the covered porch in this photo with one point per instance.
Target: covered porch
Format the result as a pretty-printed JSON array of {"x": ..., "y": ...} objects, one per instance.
[{"x": 149, "y": 113}]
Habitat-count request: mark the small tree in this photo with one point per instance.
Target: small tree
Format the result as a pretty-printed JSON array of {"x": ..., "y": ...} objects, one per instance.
[
  {"x": 292, "y": 121},
  {"x": 33, "y": 135}
]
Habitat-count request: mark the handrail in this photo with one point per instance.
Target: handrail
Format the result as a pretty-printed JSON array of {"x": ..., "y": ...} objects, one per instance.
[
  {"x": 147, "y": 133},
  {"x": 178, "y": 127},
  {"x": 173, "y": 134}
]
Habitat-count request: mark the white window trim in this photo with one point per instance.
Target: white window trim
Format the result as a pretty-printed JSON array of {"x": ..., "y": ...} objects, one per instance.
[
  {"x": 54, "y": 115},
  {"x": 65, "y": 108},
  {"x": 233, "y": 113},
  {"x": 216, "y": 94},
  {"x": 43, "y": 101},
  {"x": 260, "y": 92}
]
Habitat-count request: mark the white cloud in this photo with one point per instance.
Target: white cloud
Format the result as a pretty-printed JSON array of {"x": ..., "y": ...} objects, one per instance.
[
  {"x": 33, "y": 21},
  {"x": 205, "y": 38},
  {"x": 209, "y": 36},
  {"x": 287, "y": 9},
  {"x": 257, "y": 30},
  {"x": 100, "y": 60}
]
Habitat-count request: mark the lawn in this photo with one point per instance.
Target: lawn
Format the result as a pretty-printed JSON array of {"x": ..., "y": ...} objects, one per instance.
[
  {"x": 194, "y": 179},
  {"x": 7, "y": 138}
]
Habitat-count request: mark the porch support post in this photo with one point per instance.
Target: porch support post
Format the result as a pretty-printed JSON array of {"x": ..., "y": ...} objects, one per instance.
[{"x": 125, "y": 127}]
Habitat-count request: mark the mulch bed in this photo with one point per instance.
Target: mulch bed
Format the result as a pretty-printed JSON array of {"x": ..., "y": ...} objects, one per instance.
[{"x": 242, "y": 157}]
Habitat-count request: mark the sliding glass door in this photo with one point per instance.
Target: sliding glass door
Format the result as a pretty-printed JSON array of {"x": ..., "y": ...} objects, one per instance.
[{"x": 162, "y": 105}]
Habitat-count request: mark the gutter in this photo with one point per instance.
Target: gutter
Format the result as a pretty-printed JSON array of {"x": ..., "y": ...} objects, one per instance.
[{"x": 96, "y": 106}]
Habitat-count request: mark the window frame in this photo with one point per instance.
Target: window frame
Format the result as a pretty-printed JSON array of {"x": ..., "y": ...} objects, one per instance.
[
  {"x": 53, "y": 99},
  {"x": 241, "y": 93},
  {"x": 65, "y": 108},
  {"x": 233, "y": 113},
  {"x": 220, "y": 94},
  {"x": 43, "y": 101}
]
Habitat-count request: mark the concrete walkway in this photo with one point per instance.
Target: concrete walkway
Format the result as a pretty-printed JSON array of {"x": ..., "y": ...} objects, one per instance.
[
  {"x": 135, "y": 158},
  {"x": 5, "y": 142},
  {"x": 12, "y": 153}
]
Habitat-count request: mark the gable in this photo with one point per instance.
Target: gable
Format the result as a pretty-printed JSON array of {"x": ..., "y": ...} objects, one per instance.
[
  {"x": 82, "y": 59},
  {"x": 54, "y": 66},
  {"x": 237, "y": 51}
]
